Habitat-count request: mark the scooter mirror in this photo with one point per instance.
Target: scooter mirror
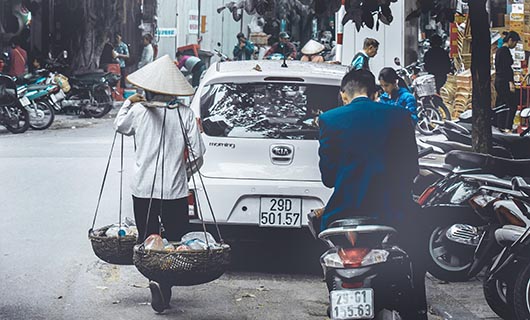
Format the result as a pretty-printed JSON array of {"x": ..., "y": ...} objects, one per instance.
[
  {"x": 518, "y": 184},
  {"x": 525, "y": 113},
  {"x": 219, "y": 44},
  {"x": 397, "y": 61}
]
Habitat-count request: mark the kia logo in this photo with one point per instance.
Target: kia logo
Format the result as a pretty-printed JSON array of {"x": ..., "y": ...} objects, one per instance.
[{"x": 282, "y": 151}]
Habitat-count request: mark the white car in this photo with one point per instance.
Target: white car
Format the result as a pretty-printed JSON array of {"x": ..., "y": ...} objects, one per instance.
[{"x": 258, "y": 120}]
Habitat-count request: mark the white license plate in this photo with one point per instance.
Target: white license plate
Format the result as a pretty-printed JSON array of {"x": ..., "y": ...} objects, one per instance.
[
  {"x": 24, "y": 101},
  {"x": 280, "y": 212},
  {"x": 352, "y": 304}
]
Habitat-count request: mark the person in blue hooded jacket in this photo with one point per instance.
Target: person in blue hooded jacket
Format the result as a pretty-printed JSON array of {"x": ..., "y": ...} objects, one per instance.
[{"x": 396, "y": 92}]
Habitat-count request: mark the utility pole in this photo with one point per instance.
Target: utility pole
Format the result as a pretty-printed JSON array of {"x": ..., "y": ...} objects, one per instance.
[
  {"x": 340, "y": 31},
  {"x": 481, "y": 73}
]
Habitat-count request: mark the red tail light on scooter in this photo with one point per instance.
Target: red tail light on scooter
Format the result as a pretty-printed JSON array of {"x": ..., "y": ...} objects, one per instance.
[
  {"x": 353, "y": 257},
  {"x": 426, "y": 195}
]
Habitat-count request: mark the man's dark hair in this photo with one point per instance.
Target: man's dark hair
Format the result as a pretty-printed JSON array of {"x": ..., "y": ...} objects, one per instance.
[
  {"x": 178, "y": 54},
  {"x": 240, "y": 35},
  {"x": 117, "y": 33},
  {"x": 512, "y": 35},
  {"x": 358, "y": 82},
  {"x": 370, "y": 42}
]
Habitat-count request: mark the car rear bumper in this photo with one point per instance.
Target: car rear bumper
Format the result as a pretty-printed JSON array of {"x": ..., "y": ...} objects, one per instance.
[{"x": 237, "y": 201}]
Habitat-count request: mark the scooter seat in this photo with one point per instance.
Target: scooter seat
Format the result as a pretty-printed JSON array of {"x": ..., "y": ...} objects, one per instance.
[
  {"x": 447, "y": 146},
  {"x": 38, "y": 87},
  {"x": 352, "y": 222},
  {"x": 488, "y": 164},
  {"x": 507, "y": 235}
]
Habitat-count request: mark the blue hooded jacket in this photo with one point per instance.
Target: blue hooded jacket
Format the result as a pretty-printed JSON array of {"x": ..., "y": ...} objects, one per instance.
[{"x": 404, "y": 99}]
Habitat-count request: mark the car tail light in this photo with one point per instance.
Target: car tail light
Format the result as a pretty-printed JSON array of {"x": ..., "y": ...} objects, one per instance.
[
  {"x": 352, "y": 285},
  {"x": 353, "y": 257},
  {"x": 426, "y": 195},
  {"x": 192, "y": 208}
]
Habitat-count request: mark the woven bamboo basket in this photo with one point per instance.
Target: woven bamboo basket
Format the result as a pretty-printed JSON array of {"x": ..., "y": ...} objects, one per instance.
[
  {"x": 182, "y": 268},
  {"x": 114, "y": 250}
]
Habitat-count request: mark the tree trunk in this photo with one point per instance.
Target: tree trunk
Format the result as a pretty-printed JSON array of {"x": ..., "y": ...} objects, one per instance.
[{"x": 480, "y": 70}]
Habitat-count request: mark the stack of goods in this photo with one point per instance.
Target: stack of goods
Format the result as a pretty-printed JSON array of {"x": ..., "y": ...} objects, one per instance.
[
  {"x": 462, "y": 97},
  {"x": 448, "y": 92}
]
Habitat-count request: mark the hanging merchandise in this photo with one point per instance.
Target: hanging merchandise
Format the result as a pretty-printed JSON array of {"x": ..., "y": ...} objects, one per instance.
[
  {"x": 114, "y": 243},
  {"x": 198, "y": 258}
]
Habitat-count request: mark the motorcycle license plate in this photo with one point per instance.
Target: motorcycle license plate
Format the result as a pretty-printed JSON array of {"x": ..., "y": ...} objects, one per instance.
[
  {"x": 280, "y": 212},
  {"x": 352, "y": 304},
  {"x": 24, "y": 101}
]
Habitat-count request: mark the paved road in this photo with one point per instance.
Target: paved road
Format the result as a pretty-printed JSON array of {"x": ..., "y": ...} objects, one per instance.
[{"x": 50, "y": 182}]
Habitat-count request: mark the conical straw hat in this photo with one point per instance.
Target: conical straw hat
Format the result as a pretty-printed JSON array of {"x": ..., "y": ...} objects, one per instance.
[
  {"x": 313, "y": 47},
  {"x": 161, "y": 76}
]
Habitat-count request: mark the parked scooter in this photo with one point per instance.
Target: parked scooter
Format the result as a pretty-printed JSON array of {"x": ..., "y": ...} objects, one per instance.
[
  {"x": 12, "y": 115},
  {"x": 456, "y": 228},
  {"x": 504, "y": 209},
  {"x": 507, "y": 280},
  {"x": 367, "y": 274},
  {"x": 34, "y": 98},
  {"x": 89, "y": 92},
  {"x": 506, "y": 145}
]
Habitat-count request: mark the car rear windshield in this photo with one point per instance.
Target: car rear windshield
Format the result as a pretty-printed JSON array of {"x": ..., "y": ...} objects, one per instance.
[{"x": 265, "y": 110}]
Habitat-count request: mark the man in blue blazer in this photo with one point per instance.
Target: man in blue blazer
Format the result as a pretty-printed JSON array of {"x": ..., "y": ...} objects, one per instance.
[{"x": 368, "y": 154}]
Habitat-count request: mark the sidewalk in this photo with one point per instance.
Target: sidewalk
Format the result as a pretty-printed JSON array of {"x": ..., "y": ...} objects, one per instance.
[{"x": 458, "y": 301}]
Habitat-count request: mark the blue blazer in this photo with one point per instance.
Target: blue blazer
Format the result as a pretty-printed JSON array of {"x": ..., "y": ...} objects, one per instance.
[{"x": 368, "y": 154}]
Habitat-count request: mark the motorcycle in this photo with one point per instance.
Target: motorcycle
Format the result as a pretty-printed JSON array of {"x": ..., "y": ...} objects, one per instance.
[
  {"x": 90, "y": 93},
  {"x": 457, "y": 228},
  {"x": 506, "y": 145},
  {"x": 503, "y": 209},
  {"x": 33, "y": 97},
  {"x": 367, "y": 274},
  {"x": 431, "y": 108},
  {"x": 12, "y": 115},
  {"x": 507, "y": 279}
]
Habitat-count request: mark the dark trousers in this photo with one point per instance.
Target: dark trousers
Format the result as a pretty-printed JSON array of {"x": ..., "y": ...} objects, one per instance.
[
  {"x": 508, "y": 98},
  {"x": 123, "y": 75},
  {"x": 197, "y": 71},
  {"x": 440, "y": 79},
  {"x": 174, "y": 217}
]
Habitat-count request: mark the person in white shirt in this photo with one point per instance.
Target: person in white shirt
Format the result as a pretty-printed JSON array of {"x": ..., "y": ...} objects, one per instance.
[
  {"x": 147, "y": 52},
  {"x": 163, "y": 133}
]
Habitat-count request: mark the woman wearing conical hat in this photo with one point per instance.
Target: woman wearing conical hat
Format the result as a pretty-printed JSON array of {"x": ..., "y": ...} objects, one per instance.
[
  {"x": 161, "y": 131},
  {"x": 311, "y": 51}
]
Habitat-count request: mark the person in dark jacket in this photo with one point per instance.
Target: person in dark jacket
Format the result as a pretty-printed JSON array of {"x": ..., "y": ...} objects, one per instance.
[
  {"x": 396, "y": 92},
  {"x": 284, "y": 47},
  {"x": 437, "y": 62},
  {"x": 504, "y": 82},
  {"x": 372, "y": 174},
  {"x": 244, "y": 49},
  {"x": 362, "y": 58}
]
